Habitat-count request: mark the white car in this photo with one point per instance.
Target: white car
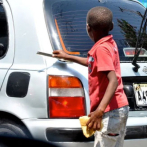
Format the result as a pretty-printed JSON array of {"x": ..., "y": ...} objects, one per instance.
[{"x": 42, "y": 97}]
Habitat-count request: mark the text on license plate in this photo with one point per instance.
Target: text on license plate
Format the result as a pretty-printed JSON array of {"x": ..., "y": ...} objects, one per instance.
[{"x": 140, "y": 91}]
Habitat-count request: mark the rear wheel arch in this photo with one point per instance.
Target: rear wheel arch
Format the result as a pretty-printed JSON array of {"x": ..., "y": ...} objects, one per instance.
[{"x": 11, "y": 123}]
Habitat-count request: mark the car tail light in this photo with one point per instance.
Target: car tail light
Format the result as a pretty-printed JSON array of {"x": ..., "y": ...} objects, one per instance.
[
  {"x": 130, "y": 52},
  {"x": 66, "y": 97}
]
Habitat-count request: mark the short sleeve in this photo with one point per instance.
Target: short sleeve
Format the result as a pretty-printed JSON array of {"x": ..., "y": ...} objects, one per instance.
[{"x": 104, "y": 59}]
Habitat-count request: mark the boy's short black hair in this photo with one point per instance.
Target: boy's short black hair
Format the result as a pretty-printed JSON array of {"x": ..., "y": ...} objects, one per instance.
[{"x": 100, "y": 18}]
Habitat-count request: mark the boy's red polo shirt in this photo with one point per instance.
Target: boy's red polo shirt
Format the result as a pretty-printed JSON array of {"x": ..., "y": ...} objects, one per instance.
[{"x": 104, "y": 56}]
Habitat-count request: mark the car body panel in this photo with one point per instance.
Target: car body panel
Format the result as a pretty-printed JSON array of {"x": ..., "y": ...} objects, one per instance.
[{"x": 34, "y": 105}]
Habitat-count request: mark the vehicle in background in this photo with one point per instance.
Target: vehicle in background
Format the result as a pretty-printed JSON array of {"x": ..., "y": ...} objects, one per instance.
[{"x": 43, "y": 97}]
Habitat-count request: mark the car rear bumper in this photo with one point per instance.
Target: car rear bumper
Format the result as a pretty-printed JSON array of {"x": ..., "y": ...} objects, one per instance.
[{"x": 68, "y": 132}]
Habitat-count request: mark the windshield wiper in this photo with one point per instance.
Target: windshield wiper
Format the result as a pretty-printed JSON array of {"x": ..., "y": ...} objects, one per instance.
[{"x": 140, "y": 41}]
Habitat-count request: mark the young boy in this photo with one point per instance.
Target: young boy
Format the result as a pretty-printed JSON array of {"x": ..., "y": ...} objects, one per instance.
[{"x": 108, "y": 102}]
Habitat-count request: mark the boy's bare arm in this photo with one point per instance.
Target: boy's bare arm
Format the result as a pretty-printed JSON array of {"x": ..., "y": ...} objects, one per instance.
[
  {"x": 112, "y": 86},
  {"x": 61, "y": 54},
  {"x": 96, "y": 116}
]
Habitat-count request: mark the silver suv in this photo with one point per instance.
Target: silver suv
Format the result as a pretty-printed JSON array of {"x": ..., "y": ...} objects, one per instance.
[{"x": 42, "y": 97}]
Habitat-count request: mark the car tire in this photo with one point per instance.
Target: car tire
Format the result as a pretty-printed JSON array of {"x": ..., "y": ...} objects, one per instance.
[{"x": 12, "y": 129}]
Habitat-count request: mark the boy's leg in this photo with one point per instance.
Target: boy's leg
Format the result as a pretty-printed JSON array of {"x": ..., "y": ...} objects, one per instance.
[{"x": 113, "y": 132}]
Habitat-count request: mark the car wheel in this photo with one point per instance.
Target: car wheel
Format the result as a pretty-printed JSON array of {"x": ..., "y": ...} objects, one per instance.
[{"x": 10, "y": 128}]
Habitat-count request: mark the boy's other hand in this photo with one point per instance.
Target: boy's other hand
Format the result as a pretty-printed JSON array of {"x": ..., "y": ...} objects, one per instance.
[
  {"x": 60, "y": 54},
  {"x": 95, "y": 120}
]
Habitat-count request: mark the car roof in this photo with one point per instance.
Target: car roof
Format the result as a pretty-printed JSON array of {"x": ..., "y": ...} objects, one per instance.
[
  {"x": 137, "y": 2},
  {"x": 1, "y": 1}
]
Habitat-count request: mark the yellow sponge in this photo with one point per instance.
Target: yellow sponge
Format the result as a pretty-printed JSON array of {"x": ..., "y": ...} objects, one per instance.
[{"x": 86, "y": 131}]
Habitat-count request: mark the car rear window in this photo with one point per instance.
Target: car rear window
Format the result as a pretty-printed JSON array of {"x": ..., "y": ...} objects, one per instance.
[{"x": 66, "y": 21}]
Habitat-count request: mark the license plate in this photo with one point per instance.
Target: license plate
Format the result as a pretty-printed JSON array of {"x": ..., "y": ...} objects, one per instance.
[{"x": 140, "y": 91}]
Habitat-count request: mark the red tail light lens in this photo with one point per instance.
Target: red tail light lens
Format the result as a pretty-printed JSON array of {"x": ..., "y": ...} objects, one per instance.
[
  {"x": 66, "y": 97},
  {"x": 66, "y": 107}
]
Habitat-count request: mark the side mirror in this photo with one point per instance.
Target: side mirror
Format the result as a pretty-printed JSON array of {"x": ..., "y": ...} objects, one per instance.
[{"x": 1, "y": 49}]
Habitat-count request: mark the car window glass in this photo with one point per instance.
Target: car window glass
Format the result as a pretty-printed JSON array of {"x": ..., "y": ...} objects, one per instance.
[
  {"x": 3, "y": 32},
  {"x": 67, "y": 25}
]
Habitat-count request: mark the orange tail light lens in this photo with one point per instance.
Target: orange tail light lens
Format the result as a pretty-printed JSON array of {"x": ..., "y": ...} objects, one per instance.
[
  {"x": 66, "y": 97},
  {"x": 64, "y": 82}
]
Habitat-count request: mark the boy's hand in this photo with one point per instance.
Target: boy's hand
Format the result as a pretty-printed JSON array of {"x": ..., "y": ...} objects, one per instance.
[
  {"x": 63, "y": 55},
  {"x": 95, "y": 120},
  {"x": 60, "y": 54}
]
